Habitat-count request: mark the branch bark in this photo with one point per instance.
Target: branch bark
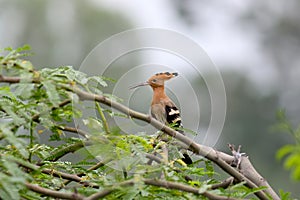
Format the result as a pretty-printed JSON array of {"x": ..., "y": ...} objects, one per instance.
[{"x": 52, "y": 193}]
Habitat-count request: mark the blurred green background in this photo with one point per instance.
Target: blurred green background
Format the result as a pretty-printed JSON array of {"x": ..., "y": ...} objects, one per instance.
[{"x": 255, "y": 45}]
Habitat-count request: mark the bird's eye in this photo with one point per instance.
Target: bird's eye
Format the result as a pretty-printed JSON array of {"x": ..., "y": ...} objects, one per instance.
[{"x": 154, "y": 81}]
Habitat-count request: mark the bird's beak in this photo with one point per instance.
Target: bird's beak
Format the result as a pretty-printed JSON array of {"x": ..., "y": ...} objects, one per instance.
[{"x": 138, "y": 85}]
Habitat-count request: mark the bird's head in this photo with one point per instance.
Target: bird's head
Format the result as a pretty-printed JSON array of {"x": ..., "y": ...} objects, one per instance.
[{"x": 157, "y": 80}]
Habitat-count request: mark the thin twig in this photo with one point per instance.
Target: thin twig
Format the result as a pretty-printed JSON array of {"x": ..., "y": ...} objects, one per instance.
[
  {"x": 74, "y": 130},
  {"x": 64, "y": 151},
  {"x": 99, "y": 109},
  {"x": 104, "y": 121},
  {"x": 224, "y": 184},
  {"x": 52, "y": 193},
  {"x": 94, "y": 167},
  {"x": 52, "y": 172}
]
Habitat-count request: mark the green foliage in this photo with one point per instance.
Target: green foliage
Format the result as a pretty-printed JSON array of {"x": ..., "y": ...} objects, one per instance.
[
  {"x": 38, "y": 105},
  {"x": 285, "y": 195},
  {"x": 290, "y": 153}
]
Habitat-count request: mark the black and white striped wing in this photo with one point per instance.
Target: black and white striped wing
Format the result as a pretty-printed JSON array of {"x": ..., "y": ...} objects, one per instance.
[{"x": 173, "y": 116}]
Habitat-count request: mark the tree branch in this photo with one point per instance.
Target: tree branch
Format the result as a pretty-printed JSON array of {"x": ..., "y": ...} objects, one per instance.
[
  {"x": 74, "y": 130},
  {"x": 52, "y": 193},
  {"x": 221, "y": 159},
  {"x": 69, "y": 177},
  {"x": 94, "y": 167},
  {"x": 226, "y": 183},
  {"x": 153, "y": 157},
  {"x": 247, "y": 171},
  {"x": 55, "y": 173},
  {"x": 68, "y": 149}
]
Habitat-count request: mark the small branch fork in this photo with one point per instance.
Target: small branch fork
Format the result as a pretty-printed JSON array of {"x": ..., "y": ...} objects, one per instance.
[{"x": 245, "y": 171}]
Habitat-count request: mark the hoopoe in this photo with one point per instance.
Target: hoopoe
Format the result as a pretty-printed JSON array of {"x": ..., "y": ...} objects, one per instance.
[{"x": 162, "y": 107}]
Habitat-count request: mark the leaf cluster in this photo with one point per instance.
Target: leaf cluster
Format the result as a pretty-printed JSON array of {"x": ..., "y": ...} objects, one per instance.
[{"x": 290, "y": 153}]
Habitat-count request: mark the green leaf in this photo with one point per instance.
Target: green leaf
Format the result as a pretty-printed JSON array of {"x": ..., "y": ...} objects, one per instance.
[
  {"x": 14, "y": 170},
  {"x": 14, "y": 178},
  {"x": 296, "y": 172},
  {"x": 10, "y": 190},
  {"x": 280, "y": 115},
  {"x": 41, "y": 150},
  {"x": 283, "y": 151},
  {"x": 131, "y": 193},
  {"x": 209, "y": 167},
  {"x": 22, "y": 162},
  {"x": 98, "y": 80},
  {"x": 285, "y": 195},
  {"x": 8, "y": 49},
  {"x": 3, "y": 193},
  {"x": 249, "y": 191},
  {"x": 6, "y": 91},
  {"x": 51, "y": 92},
  {"x": 25, "y": 47},
  {"x": 16, "y": 119},
  {"x": 24, "y": 64},
  {"x": 204, "y": 188},
  {"x": 292, "y": 161},
  {"x": 75, "y": 75},
  {"x": 93, "y": 124},
  {"x": 18, "y": 143},
  {"x": 23, "y": 90}
]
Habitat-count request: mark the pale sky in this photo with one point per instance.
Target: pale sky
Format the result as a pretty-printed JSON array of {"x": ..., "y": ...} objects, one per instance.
[{"x": 226, "y": 43}]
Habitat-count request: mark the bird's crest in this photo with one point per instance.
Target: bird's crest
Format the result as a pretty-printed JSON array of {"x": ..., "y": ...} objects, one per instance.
[
  {"x": 164, "y": 75},
  {"x": 157, "y": 80}
]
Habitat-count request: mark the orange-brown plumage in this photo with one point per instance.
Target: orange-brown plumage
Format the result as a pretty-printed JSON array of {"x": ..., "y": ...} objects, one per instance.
[{"x": 162, "y": 107}]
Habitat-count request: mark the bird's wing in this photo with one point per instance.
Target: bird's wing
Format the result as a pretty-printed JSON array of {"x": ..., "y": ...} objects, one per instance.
[{"x": 173, "y": 114}]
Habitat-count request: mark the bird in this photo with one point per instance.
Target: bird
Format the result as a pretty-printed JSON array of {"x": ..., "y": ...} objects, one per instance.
[{"x": 162, "y": 107}]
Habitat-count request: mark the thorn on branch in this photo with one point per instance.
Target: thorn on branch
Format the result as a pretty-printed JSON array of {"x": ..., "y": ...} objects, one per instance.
[{"x": 237, "y": 155}]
